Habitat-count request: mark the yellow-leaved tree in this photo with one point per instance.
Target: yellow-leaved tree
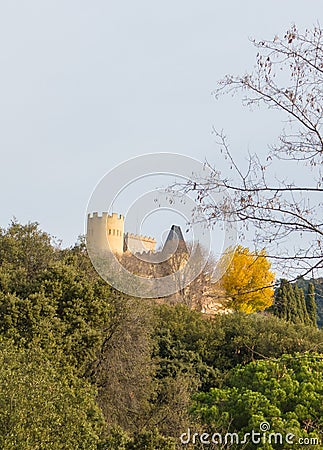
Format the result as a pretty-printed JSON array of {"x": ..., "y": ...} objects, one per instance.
[{"x": 248, "y": 280}]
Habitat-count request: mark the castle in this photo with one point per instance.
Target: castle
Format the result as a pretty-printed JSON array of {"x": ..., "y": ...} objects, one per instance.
[
  {"x": 105, "y": 232},
  {"x": 110, "y": 228}
]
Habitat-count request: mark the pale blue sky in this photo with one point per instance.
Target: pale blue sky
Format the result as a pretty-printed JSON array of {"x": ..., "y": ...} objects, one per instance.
[{"x": 87, "y": 84}]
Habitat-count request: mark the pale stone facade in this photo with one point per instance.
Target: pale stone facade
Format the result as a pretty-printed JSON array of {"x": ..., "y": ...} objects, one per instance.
[{"x": 139, "y": 244}]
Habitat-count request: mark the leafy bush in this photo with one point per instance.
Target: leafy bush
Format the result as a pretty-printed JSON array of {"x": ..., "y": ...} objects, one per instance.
[
  {"x": 43, "y": 405},
  {"x": 287, "y": 393}
]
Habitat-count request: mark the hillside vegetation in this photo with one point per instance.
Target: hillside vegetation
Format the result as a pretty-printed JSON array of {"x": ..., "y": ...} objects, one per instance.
[{"x": 86, "y": 367}]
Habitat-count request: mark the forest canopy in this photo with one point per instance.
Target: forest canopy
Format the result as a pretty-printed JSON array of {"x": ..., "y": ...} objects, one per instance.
[{"x": 87, "y": 367}]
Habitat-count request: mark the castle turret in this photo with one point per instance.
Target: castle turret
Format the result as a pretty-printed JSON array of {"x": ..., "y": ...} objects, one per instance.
[{"x": 105, "y": 232}]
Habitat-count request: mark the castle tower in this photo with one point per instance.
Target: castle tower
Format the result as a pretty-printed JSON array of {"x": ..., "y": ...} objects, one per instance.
[{"x": 105, "y": 232}]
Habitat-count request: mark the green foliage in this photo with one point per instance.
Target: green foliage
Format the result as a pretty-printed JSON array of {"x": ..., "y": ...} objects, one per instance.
[
  {"x": 221, "y": 343},
  {"x": 259, "y": 336},
  {"x": 82, "y": 306},
  {"x": 62, "y": 309},
  {"x": 151, "y": 440},
  {"x": 287, "y": 393},
  {"x": 117, "y": 438},
  {"x": 301, "y": 306},
  {"x": 144, "y": 440},
  {"x": 25, "y": 251},
  {"x": 318, "y": 289},
  {"x": 43, "y": 405},
  {"x": 182, "y": 337},
  {"x": 73, "y": 351},
  {"x": 290, "y": 304},
  {"x": 311, "y": 305},
  {"x": 124, "y": 369}
]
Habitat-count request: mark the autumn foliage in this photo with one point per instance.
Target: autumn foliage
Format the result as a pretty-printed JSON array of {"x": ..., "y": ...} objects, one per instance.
[{"x": 248, "y": 280}]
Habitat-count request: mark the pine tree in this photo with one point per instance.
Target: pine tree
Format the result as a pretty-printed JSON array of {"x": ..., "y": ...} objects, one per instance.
[
  {"x": 290, "y": 303},
  {"x": 279, "y": 307},
  {"x": 292, "y": 309},
  {"x": 311, "y": 305},
  {"x": 301, "y": 305},
  {"x": 283, "y": 305}
]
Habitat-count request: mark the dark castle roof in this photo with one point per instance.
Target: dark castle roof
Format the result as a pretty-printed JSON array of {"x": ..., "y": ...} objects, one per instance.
[
  {"x": 175, "y": 232},
  {"x": 175, "y": 235}
]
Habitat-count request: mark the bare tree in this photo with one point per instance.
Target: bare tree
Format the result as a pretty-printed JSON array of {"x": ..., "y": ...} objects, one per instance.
[{"x": 288, "y": 77}]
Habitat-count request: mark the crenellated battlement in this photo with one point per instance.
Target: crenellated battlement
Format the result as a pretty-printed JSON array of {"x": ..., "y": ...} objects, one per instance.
[
  {"x": 105, "y": 215},
  {"x": 136, "y": 243},
  {"x": 106, "y": 231},
  {"x": 141, "y": 237}
]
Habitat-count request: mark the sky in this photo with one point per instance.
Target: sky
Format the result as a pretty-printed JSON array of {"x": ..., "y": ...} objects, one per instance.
[{"x": 86, "y": 85}]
